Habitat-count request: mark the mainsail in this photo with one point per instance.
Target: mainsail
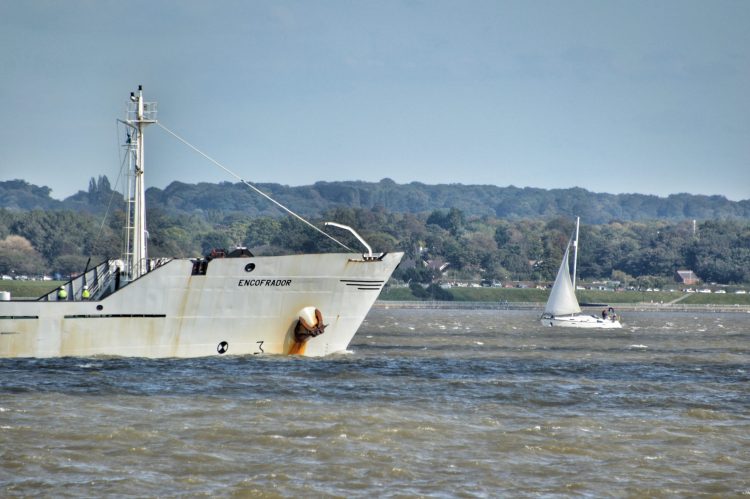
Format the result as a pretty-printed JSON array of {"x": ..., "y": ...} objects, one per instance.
[{"x": 562, "y": 299}]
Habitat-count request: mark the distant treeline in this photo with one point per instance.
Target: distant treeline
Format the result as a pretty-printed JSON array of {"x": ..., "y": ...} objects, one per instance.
[
  {"x": 439, "y": 244},
  {"x": 511, "y": 203}
]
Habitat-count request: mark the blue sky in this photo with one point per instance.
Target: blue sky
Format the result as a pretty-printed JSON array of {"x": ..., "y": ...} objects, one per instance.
[{"x": 612, "y": 96}]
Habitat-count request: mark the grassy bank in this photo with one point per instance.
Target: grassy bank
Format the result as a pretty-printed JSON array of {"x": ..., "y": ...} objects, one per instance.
[
  {"x": 28, "y": 289},
  {"x": 716, "y": 299},
  {"x": 34, "y": 289},
  {"x": 515, "y": 295}
]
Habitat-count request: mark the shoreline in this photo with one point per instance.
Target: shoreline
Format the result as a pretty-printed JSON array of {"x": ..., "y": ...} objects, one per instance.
[{"x": 627, "y": 307}]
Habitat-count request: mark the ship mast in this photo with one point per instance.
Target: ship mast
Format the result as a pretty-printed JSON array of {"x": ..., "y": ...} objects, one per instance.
[{"x": 140, "y": 114}]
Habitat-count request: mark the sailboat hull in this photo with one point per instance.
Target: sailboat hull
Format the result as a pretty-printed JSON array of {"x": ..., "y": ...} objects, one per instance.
[
  {"x": 580, "y": 321},
  {"x": 239, "y": 306}
]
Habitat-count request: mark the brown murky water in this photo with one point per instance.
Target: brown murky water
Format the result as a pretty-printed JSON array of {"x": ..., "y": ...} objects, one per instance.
[{"x": 434, "y": 403}]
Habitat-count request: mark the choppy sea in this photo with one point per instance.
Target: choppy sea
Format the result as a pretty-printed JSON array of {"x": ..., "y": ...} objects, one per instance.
[{"x": 427, "y": 403}]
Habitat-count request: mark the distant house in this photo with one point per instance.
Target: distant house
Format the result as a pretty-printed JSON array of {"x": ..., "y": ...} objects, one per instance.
[{"x": 686, "y": 277}]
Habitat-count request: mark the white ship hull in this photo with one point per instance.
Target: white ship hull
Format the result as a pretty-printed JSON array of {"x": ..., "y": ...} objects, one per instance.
[
  {"x": 171, "y": 312},
  {"x": 580, "y": 321}
]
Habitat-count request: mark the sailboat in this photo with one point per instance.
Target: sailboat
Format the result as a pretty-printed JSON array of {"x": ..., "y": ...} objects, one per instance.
[
  {"x": 562, "y": 308},
  {"x": 227, "y": 303}
]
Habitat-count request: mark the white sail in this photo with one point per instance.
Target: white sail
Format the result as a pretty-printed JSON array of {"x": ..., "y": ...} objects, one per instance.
[{"x": 562, "y": 299}]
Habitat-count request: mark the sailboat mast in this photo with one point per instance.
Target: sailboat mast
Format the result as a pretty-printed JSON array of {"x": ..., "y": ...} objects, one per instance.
[{"x": 575, "y": 253}]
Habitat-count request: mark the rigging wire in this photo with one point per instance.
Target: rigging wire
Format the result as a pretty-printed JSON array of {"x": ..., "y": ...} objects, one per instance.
[
  {"x": 230, "y": 172},
  {"x": 123, "y": 158}
]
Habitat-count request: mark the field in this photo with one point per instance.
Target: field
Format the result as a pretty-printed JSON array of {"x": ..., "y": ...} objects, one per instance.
[
  {"x": 716, "y": 299},
  {"x": 34, "y": 289},
  {"x": 28, "y": 289},
  {"x": 516, "y": 295}
]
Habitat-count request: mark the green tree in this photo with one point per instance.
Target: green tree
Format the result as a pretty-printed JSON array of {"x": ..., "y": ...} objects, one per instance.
[
  {"x": 261, "y": 231},
  {"x": 70, "y": 264},
  {"x": 18, "y": 256}
]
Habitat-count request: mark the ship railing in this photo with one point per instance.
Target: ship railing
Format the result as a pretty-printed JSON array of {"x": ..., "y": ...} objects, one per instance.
[
  {"x": 114, "y": 279},
  {"x": 101, "y": 281},
  {"x": 105, "y": 282},
  {"x": 149, "y": 112},
  {"x": 94, "y": 278}
]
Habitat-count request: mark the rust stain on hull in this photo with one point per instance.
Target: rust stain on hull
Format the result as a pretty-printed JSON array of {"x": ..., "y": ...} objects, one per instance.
[{"x": 298, "y": 348}]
